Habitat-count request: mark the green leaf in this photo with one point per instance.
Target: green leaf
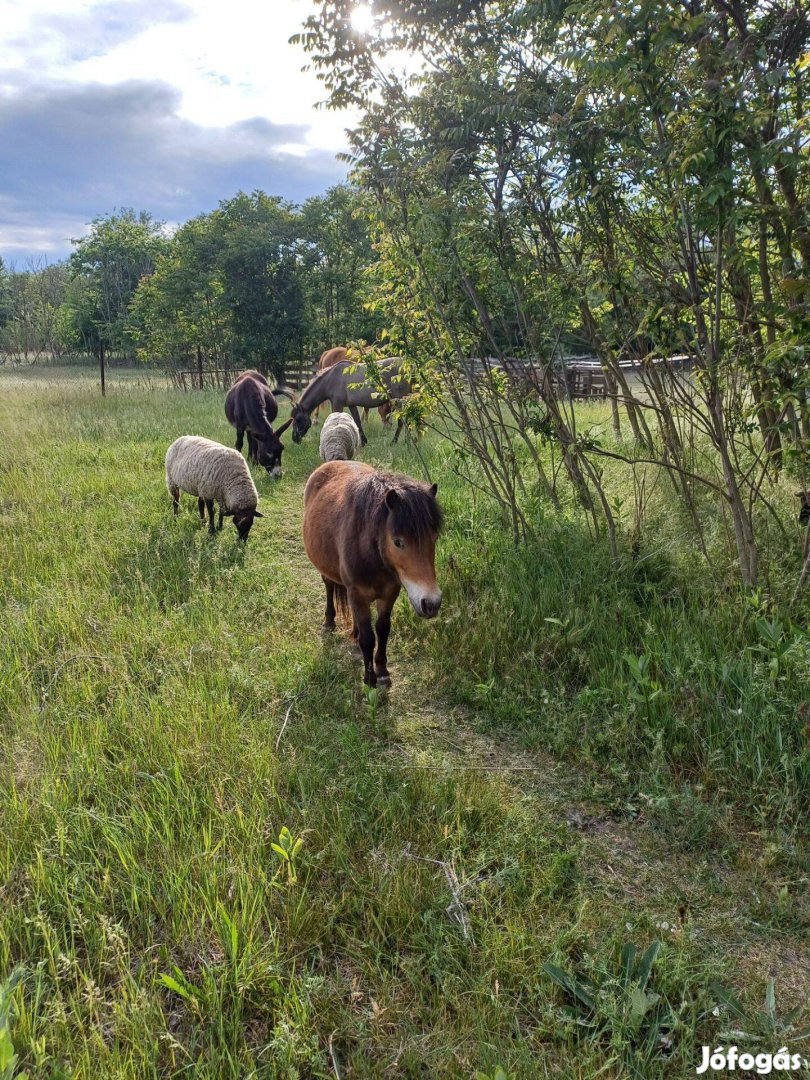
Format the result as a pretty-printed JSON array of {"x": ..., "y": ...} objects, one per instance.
[
  {"x": 172, "y": 984},
  {"x": 647, "y": 961}
]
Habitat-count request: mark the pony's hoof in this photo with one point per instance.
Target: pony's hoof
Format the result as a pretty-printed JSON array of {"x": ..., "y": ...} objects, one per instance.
[
  {"x": 383, "y": 679},
  {"x": 328, "y": 628},
  {"x": 369, "y": 678}
]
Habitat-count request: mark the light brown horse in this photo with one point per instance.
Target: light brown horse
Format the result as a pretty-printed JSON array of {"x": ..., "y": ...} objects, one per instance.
[
  {"x": 369, "y": 534},
  {"x": 334, "y": 356}
]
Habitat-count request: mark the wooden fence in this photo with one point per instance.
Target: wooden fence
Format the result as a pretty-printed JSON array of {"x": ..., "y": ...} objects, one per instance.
[
  {"x": 297, "y": 374},
  {"x": 577, "y": 377}
]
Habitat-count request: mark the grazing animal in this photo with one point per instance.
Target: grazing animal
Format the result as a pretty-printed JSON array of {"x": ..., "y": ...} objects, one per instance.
[
  {"x": 804, "y": 510},
  {"x": 348, "y": 384},
  {"x": 335, "y": 356},
  {"x": 340, "y": 439},
  {"x": 251, "y": 407},
  {"x": 212, "y": 472},
  {"x": 369, "y": 534}
]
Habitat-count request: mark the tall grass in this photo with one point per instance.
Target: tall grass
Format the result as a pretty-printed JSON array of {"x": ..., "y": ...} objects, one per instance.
[{"x": 172, "y": 723}]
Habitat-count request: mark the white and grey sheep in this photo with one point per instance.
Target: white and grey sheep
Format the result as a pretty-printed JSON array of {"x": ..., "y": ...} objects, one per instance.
[
  {"x": 212, "y": 472},
  {"x": 340, "y": 439}
]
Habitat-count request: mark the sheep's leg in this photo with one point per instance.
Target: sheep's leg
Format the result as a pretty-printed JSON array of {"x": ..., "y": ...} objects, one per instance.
[
  {"x": 221, "y": 518},
  {"x": 383, "y": 628},
  {"x": 355, "y": 414},
  {"x": 361, "y": 610},
  {"x": 329, "y": 618},
  {"x": 175, "y": 501},
  {"x": 209, "y": 504},
  {"x": 201, "y": 507}
]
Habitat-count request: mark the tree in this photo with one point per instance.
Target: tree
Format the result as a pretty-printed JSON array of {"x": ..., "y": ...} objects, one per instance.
[
  {"x": 106, "y": 267},
  {"x": 337, "y": 258},
  {"x": 178, "y": 311},
  {"x": 633, "y": 175}
]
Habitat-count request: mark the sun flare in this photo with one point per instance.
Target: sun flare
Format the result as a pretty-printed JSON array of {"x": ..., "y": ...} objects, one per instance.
[{"x": 362, "y": 19}]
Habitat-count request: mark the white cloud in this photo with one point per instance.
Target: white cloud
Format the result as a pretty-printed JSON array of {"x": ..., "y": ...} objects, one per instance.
[
  {"x": 230, "y": 60},
  {"x": 165, "y": 105}
]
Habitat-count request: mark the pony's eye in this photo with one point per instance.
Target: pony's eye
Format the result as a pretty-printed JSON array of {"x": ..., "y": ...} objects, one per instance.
[{"x": 398, "y": 542}]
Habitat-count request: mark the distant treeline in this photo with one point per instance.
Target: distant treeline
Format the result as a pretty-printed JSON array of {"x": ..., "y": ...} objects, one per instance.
[{"x": 257, "y": 282}]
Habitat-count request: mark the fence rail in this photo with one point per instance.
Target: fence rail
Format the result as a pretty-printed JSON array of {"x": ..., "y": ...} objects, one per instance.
[
  {"x": 297, "y": 374},
  {"x": 576, "y": 376}
]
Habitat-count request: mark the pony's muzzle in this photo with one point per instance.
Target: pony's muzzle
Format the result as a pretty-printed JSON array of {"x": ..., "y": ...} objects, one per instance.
[{"x": 431, "y": 605}]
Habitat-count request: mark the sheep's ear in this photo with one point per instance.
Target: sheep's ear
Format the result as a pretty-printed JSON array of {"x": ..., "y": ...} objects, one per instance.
[
  {"x": 258, "y": 513},
  {"x": 391, "y": 498},
  {"x": 283, "y": 428},
  {"x": 801, "y": 494},
  {"x": 433, "y": 489}
]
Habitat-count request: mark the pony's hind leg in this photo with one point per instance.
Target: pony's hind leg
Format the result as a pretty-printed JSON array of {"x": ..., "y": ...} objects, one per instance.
[{"x": 329, "y": 618}]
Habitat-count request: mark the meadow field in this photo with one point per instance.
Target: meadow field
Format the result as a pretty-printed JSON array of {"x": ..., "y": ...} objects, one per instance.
[{"x": 571, "y": 841}]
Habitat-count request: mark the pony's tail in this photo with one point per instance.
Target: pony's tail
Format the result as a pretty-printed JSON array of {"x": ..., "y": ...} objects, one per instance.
[
  {"x": 284, "y": 391},
  {"x": 340, "y": 597}
]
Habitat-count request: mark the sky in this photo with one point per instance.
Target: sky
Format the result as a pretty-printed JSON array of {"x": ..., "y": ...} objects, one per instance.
[{"x": 162, "y": 105}]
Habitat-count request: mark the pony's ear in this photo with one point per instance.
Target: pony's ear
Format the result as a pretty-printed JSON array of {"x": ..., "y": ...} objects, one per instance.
[
  {"x": 258, "y": 513},
  {"x": 284, "y": 426},
  {"x": 391, "y": 498},
  {"x": 433, "y": 489}
]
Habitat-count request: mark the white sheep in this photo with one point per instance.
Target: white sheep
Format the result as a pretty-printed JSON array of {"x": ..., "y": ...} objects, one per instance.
[
  {"x": 340, "y": 439},
  {"x": 212, "y": 472}
]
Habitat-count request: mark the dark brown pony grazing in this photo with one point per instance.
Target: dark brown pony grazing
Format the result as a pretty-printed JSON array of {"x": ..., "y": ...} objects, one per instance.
[
  {"x": 251, "y": 407},
  {"x": 370, "y": 533}
]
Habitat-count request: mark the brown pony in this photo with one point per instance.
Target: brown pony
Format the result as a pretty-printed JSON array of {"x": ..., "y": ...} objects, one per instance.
[
  {"x": 369, "y": 533},
  {"x": 334, "y": 356}
]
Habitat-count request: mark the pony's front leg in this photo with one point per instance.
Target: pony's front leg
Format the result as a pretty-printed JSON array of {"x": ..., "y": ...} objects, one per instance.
[
  {"x": 383, "y": 628},
  {"x": 355, "y": 415},
  {"x": 240, "y": 439},
  {"x": 361, "y": 611}
]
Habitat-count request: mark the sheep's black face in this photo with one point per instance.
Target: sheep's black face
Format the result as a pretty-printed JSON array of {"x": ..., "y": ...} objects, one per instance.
[{"x": 244, "y": 523}]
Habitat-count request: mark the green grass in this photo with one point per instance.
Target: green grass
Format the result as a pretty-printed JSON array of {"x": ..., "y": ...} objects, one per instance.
[{"x": 168, "y": 708}]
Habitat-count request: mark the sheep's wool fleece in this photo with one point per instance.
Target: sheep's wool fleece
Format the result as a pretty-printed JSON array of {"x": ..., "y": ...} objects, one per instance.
[
  {"x": 211, "y": 471},
  {"x": 340, "y": 439}
]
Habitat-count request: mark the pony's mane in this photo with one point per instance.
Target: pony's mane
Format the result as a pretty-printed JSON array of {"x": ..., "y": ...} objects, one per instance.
[{"x": 415, "y": 514}]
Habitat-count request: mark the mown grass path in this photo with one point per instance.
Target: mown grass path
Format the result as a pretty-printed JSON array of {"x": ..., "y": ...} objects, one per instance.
[{"x": 172, "y": 722}]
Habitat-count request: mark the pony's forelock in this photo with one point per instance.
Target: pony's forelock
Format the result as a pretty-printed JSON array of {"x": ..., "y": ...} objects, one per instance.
[{"x": 415, "y": 512}]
